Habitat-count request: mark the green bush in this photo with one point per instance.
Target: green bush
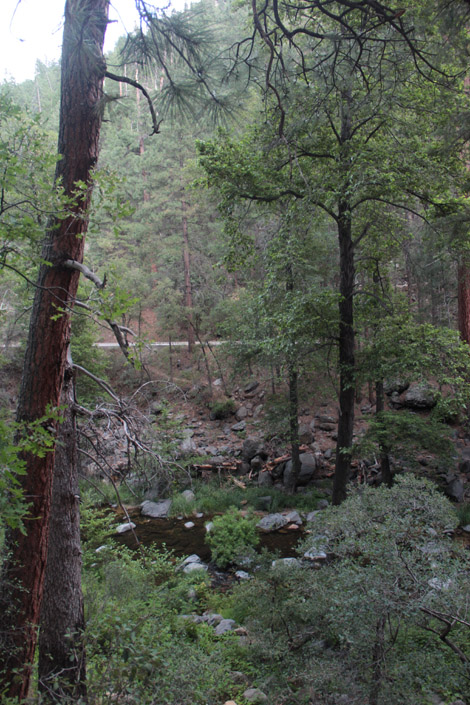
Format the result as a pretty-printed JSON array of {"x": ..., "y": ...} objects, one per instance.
[
  {"x": 222, "y": 409},
  {"x": 140, "y": 649},
  {"x": 231, "y": 536},
  {"x": 367, "y": 624}
]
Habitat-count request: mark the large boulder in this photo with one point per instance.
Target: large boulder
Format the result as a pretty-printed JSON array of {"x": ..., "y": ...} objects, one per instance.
[
  {"x": 308, "y": 466},
  {"x": 155, "y": 510},
  {"x": 252, "y": 447},
  {"x": 420, "y": 396}
]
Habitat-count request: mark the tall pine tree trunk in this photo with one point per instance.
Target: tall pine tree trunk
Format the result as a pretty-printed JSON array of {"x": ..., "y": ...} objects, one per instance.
[
  {"x": 61, "y": 667},
  {"x": 21, "y": 588},
  {"x": 463, "y": 291}
]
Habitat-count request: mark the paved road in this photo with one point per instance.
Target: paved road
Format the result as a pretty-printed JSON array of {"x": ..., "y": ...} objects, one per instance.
[{"x": 175, "y": 344}]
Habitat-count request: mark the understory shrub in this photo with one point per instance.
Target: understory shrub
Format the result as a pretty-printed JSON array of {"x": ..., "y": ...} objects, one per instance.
[
  {"x": 140, "y": 647},
  {"x": 368, "y": 623},
  {"x": 231, "y": 536}
]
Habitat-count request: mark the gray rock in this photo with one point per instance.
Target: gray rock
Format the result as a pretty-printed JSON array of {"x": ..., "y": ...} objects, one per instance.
[
  {"x": 293, "y": 517},
  {"x": 192, "y": 567},
  {"x": 242, "y": 575},
  {"x": 326, "y": 426},
  {"x": 315, "y": 554},
  {"x": 187, "y": 446},
  {"x": 241, "y": 413},
  {"x": 188, "y": 495},
  {"x": 328, "y": 454},
  {"x": 454, "y": 488},
  {"x": 307, "y": 469},
  {"x": 323, "y": 418},
  {"x": 217, "y": 382},
  {"x": 465, "y": 528},
  {"x": 226, "y": 625},
  {"x": 288, "y": 562},
  {"x": 240, "y": 426},
  {"x": 253, "y": 447},
  {"x": 212, "y": 618},
  {"x": 395, "y": 386},
  {"x": 122, "y": 528},
  {"x": 265, "y": 479},
  {"x": 155, "y": 510},
  {"x": 420, "y": 396},
  {"x": 311, "y": 516},
  {"x": 305, "y": 434},
  {"x": 250, "y": 387},
  {"x": 189, "y": 525},
  {"x": 256, "y": 463},
  {"x": 272, "y": 522},
  {"x": 323, "y": 504},
  {"x": 243, "y": 468},
  {"x": 255, "y": 695}
]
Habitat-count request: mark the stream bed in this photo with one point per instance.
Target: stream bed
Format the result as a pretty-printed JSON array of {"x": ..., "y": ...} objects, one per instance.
[{"x": 172, "y": 534}]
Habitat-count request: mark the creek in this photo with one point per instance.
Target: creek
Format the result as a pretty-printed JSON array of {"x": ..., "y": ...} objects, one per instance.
[{"x": 172, "y": 534}]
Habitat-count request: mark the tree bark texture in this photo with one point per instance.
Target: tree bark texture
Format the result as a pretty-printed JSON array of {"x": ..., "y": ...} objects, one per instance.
[
  {"x": 188, "y": 292},
  {"x": 463, "y": 297},
  {"x": 21, "y": 589},
  {"x": 294, "y": 427},
  {"x": 346, "y": 358},
  {"x": 346, "y": 316},
  {"x": 61, "y": 667},
  {"x": 385, "y": 467}
]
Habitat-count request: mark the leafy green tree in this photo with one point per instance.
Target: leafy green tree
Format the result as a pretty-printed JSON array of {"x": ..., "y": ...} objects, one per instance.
[{"x": 339, "y": 142}]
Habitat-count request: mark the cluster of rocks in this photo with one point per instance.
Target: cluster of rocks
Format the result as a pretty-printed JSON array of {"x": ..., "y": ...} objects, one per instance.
[{"x": 417, "y": 397}]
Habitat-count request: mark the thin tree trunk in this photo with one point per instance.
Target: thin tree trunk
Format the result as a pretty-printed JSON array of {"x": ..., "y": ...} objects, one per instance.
[
  {"x": 21, "y": 589},
  {"x": 346, "y": 319},
  {"x": 385, "y": 467},
  {"x": 188, "y": 291},
  {"x": 62, "y": 667},
  {"x": 294, "y": 427}
]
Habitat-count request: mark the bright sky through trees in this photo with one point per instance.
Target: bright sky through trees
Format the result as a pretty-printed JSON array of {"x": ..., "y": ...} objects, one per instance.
[{"x": 32, "y": 30}]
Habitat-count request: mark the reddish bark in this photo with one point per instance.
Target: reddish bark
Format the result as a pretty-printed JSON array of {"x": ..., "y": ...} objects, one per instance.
[
  {"x": 61, "y": 664},
  {"x": 463, "y": 296},
  {"x": 83, "y": 68}
]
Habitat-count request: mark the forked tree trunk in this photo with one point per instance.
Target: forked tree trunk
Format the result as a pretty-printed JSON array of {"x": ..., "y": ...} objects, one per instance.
[
  {"x": 62, "y": 667},
  {"x": 21, "y": 588}
]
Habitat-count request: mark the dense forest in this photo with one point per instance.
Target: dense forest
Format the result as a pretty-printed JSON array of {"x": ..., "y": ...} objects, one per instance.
[{"x": 235, "y": 369}]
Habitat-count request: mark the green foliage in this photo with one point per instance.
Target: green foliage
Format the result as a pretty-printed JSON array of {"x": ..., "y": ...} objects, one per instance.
[
  {"x": 231, "y": 536},
  {"x": 405, "y": 435},
  {"x": 222, "y": 409},
  {"x": 36, "y": 438},
  {"x": 87, "y": 355},
  {"x": 139, "y": 648},
  {"x": 361, "y": 622},
  {"x": 213, "y": 497},
  {"x": 463, "y": 514}
]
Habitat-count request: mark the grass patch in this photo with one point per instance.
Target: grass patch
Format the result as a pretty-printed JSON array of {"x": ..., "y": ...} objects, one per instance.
[{"x": 212, "y": 498}]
